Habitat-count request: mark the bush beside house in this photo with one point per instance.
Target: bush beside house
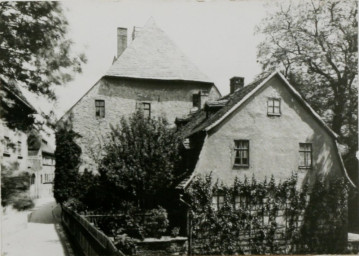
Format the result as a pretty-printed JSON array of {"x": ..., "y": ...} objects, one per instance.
[{"x": 14, "y": 188}]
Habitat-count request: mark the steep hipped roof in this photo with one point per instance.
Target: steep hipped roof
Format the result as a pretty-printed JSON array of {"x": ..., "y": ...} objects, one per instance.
[{"x": 152, "y": 55}]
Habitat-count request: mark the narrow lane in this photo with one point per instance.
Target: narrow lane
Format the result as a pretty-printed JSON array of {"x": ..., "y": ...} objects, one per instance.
[{"x": 42, "y": 236}]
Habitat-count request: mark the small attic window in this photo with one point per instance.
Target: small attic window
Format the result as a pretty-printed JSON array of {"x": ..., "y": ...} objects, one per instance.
[
  {"x": 100, "y": 108},
  {"x": 273, "y": 107}
]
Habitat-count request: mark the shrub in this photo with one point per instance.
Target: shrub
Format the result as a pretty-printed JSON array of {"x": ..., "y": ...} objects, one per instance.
[
  {"x": 156, "y": 222},
  {"x": 175, "y": 231},
  {"x": 67, "y": 156},
  {"x": 142, "y": 160},
  {"x": 23, "y": 202},
  {"x": 125, "y": 244},
  {"x": 76, "y": 205},
  {"x": 13, "y": 185}
]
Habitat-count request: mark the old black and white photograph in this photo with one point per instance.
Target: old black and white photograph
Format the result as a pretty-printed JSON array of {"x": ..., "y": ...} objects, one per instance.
[{"x": 179, "y": 127}]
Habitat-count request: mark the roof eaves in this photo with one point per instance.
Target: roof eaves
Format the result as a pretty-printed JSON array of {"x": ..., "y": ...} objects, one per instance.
[
  {"x": 342, "y": 165},
  {"x": 308, "y": 106},
  {"x": 23, "y": 101},
  {"x": 245, "y": 98},
  {"x": 161, "y": 79},
  {"x": 68, "y": 111}
]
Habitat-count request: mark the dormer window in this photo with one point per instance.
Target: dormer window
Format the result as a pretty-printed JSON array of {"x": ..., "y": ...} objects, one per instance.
[{"x": 273, "y": 107}]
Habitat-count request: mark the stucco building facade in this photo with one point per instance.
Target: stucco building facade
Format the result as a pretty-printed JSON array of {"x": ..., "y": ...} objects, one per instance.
[
  {"x": 151, "y": 75},
  {"x": 263, "y": 129},
  {"x": 14, "y": 148}
]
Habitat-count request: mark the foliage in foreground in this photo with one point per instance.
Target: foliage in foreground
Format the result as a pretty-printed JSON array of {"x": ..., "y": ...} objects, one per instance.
[
  {"x": 141, "y": 161},
  {"x": 14, "y": 188},
  {"x": 268, "y": 218},
  {"x": 67, "y": 156}
]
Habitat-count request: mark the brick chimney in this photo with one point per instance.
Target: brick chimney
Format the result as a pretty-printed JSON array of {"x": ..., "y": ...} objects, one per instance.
[
  {"x": 236, "y": 83},
  {"x": 135, "y": 32},
  {"x": 121, "y": 40}
]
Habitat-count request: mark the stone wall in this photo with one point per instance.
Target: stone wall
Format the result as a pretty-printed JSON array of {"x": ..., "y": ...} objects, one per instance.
[
  {"x": 163, "y": 246},
  {"x": 168, "y": 99}
]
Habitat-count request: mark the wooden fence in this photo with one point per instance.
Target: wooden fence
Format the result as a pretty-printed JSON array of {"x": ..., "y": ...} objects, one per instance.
[{"x": 91, "y": 240}]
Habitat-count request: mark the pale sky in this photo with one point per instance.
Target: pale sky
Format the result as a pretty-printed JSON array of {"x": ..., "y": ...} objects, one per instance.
[{"x": 218, "y": 36}]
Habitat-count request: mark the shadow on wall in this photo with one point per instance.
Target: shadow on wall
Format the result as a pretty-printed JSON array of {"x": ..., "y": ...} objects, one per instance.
[{"x": 323, "y": 147}]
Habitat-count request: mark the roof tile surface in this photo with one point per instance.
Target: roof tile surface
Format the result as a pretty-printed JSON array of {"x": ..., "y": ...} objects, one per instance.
[{"x": 153, "y": 55}]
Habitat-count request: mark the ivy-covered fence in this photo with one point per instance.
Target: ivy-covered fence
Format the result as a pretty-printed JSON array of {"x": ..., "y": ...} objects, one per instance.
[{"x": 267, "y": 217}]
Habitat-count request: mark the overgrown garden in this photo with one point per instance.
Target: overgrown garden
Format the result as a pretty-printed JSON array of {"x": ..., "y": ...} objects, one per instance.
[{"x": 132, "y": 197}]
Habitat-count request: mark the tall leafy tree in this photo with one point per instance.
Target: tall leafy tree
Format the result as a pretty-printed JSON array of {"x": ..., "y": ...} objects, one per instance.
[
  {"x": 315, "y": 43},
  {"x": 35, "y": 51},
  {"x": 67, "y": 156},
  {"x": 141, "y": 160}
]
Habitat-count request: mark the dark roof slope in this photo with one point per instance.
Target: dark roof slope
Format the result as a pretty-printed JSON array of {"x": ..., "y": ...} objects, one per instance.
[
  {"x": 12, "y": 88},
  {"x": 199, "y": 120},
  {"x": 153, "y": 55}
]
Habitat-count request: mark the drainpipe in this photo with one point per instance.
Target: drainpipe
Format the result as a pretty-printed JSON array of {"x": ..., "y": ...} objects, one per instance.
[{"x": 189, "y": 224}]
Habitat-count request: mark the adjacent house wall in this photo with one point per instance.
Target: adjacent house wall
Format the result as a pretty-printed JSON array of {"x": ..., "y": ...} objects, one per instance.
[
  {"x": 14, "y": 136},
  {"x": 168, "y": 99},
  {"x": 274, "y": 141}
]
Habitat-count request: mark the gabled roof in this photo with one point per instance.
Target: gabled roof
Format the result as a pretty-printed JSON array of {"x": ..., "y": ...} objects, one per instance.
[
  {"x": 199, "y": 122},
  {"x": 13, "y": 89},
  {"x": 152, "y": 55}
]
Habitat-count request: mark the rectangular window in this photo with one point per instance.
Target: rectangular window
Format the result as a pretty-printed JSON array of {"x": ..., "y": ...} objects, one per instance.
[
  {"x": 217, "y": 202},
  {"x": 145, "y": 107},
  {"x": 237, "y": 202},
  {"x": 305, "y": 155},
  {"x": 7, "y": 146},
  {"x": 18, "y": 148},
  {"x": 273, "y": 107},
  {"x": 100, "y": 108},
  {"x": 241, "y": 151},
  {"x": 196, "y": 99},
  {"x": 240, "y": 201}
]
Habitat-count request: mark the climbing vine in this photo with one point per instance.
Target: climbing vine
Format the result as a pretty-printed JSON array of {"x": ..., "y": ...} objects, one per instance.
[{"x": 267, "y": 217}]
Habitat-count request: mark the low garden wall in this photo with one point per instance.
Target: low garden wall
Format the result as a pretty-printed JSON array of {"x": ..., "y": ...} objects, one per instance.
[
  {"x": 91, "y": 240},
  {"x": 163, "y": 246}
]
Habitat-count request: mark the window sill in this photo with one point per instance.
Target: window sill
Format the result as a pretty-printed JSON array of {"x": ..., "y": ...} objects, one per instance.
[
  {"x": 6, "y": 154},
  {"x": 240, "y": 166},
  {"x": 304, "y": 168},
  {"x": 273, "y": 114}
]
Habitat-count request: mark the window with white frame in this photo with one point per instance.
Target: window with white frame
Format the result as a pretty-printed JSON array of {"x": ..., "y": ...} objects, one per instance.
[
  {"x": 241, "y": 153},
  {"x": 273, "y": 107},
  {"x": 217, "y": 202},
  {"x": 305, "y": 155},
  {"x": 239, "y": 201},
  {"x": 100, "y": 108}
]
